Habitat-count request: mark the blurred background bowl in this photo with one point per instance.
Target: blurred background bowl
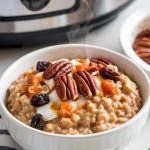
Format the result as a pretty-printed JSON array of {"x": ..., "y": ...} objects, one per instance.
[{"x": 132, "y": 26}]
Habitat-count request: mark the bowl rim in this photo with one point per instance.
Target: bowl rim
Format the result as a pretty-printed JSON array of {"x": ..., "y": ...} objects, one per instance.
[
  {"x": 104, "y": 133},
  {"x": 145, "y": 14}
]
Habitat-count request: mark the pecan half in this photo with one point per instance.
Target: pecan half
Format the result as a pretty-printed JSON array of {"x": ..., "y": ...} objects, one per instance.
[
  {"x": 144, "y": 33},
  {"x": 146, "y": 59},
  {"x": 142, "y": 50},
  {"x": 141, "y": 45},
  {"x": 57, "y": 69},
  {"x": 66, "y": 88},
  {"x": 142, "y": 42},
  {"x": 100, "y": 61},
  {"x": 85, "y": 83},
  {"x": 109, "y": 74}
]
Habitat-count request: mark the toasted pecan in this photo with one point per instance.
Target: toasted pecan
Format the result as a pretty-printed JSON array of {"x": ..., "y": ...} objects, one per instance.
[
  {"x": 100, "y": 61},
  {"x": 85, "y": 83},
  {"x": 57, "y": 69},
  {"x": 66, "y": 88},
  {"x": 141, "y": 45}
]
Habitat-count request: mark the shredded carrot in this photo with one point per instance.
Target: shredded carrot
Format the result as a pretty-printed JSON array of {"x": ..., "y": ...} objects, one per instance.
[
  {"x": 100, "y": 66},
  {"x": 78, "y": 68},
  {"x": 65, "y": 110},
  {"x": 109, "y": 87},
  {"x": 33, "y": 84},
  {"x": 32, "y": 90},
  {"x": 86, "y": 68}
]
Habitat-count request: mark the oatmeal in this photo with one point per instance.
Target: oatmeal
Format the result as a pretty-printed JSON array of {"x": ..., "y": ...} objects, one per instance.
[{"x": 78, "y": 96}]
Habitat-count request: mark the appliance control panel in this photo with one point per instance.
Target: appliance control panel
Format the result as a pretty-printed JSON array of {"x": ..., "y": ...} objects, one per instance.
[
  {"x": 11, "y": 8},
  {"x": 35, "y": 5}
]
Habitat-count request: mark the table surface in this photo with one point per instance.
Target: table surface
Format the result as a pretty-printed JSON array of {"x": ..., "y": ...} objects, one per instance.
[{"x": 106, "y": 36}]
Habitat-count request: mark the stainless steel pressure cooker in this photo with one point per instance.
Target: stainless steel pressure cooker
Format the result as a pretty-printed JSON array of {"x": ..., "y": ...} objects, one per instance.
[{"x": 42, "y": 21}]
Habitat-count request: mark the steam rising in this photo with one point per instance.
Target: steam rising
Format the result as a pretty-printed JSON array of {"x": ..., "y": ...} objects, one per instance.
[{"x": 78, "y": 30}]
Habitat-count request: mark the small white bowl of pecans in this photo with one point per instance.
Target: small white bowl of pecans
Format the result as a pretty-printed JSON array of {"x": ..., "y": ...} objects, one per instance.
[
  {"x": 135, "y": 38},
  {"x": 74, "y": 96}
]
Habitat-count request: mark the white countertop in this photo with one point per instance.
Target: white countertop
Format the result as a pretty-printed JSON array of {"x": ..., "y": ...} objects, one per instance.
[{"x": 106, "y": 36}]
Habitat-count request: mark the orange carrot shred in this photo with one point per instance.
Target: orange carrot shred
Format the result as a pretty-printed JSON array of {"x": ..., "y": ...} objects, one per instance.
[
  {"x": 65, "y": 110},
  {"x": 109, "y": 87}
]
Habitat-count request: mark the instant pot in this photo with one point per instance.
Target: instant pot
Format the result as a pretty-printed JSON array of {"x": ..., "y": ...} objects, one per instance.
[{"x": 46, "y": 21}]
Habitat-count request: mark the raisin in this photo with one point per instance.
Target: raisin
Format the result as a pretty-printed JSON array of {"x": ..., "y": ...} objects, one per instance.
[
  {"x": 39, "y": 100},
  {"x": 37, "y": 122},
  {"x": 109, "y": 74},
  {"x": 42, "y": 65}
]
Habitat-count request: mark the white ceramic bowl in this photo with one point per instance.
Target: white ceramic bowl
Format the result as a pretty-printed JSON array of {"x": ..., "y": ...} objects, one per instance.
[
  {"x": 114, "y": 139},
  {"x": 129, "y": 30}
]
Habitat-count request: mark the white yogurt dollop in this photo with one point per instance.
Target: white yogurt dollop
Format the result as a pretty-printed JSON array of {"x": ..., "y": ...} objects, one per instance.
[
  {"x": 47, "y": 113},
  {"x": 60, "y": 60},
  {"x": 75, "y": 62},
  {"x": 79, "y": 103},
  {"x": 50, "y": 111},
  {"x": 50, "y": 83}
]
